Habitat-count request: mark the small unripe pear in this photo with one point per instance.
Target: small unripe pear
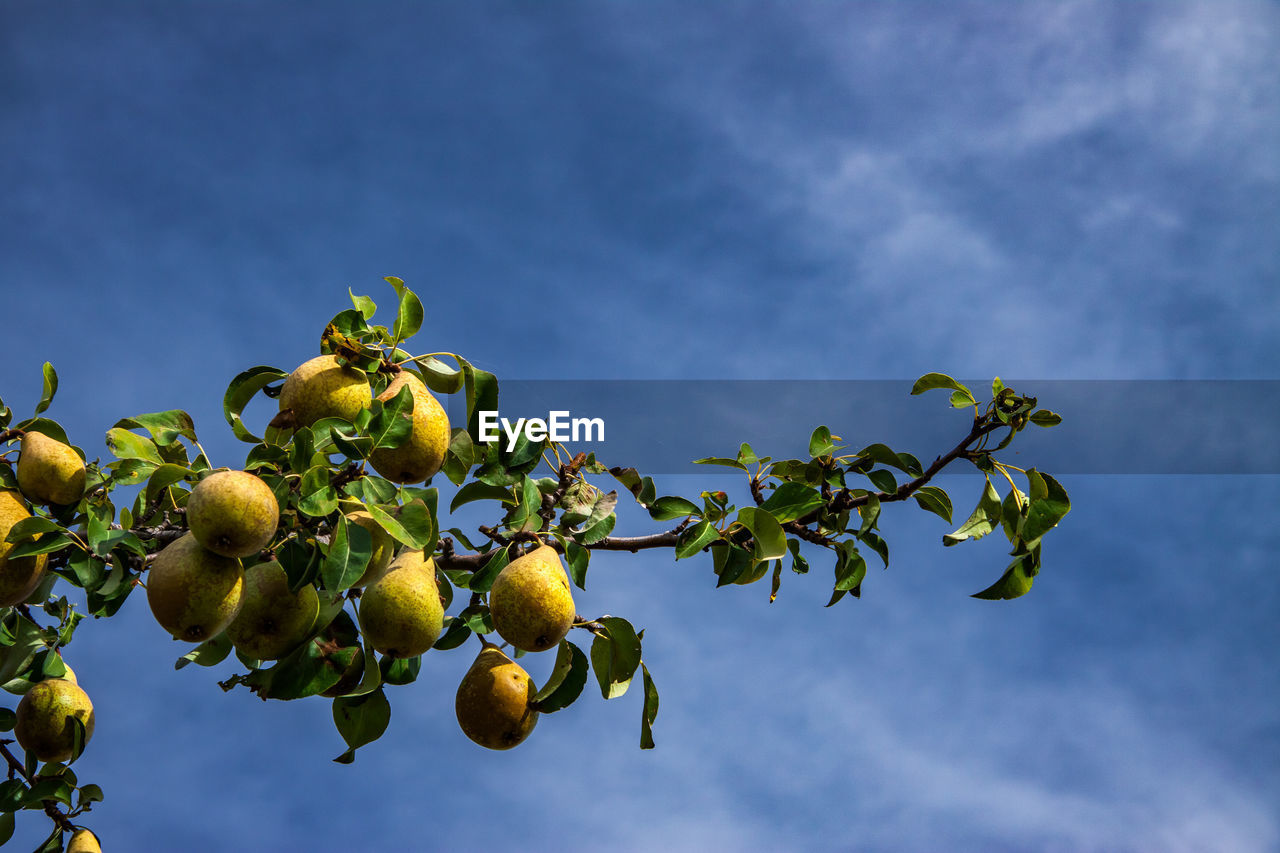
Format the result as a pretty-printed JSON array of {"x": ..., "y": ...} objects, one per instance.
[
  {"x": 44, "y": 715},
  {"x": 384, "y": 546},
  {"x": 233, "y": 513},
  {"x": 84, "y": 841},
  {"x": 422, "y": 453},
  {"x": 193, "y": 593},
  {"x": 494, "y": 704},
  {"x": 530, "y": 601},
  {"x": 19, "y": 576},
  {"x": 49, "y": 472},
  {"x": 400, "y": 612},
  {"x": 272, "y": 620},
  {"x": 323, "y": 388}
]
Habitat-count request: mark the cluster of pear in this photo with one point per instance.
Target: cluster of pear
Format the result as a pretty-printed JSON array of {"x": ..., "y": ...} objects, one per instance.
[
  {"x": 196, "y": 584},
  {"x": 532, "y": 609},
  {"x": 324, "y": 387},
  {"x": 50, "y": 473}
]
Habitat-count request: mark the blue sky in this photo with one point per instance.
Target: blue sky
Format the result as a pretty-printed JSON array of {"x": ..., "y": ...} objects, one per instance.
[{"x": 1075, "y": 190}]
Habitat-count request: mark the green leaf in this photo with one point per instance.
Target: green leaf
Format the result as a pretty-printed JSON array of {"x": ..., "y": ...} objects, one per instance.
[
  {"x": 885, "y": 455},
  {"x": 938, "y": 380},
  {"x": 12, "y": 794},
  {"x": 598, "y": 531},
  {"x": 460, "y": 456},
  {"x": 50, "y": 388},
  {"x": 1013, "y": 510},
  {"x": 799, "y": 564},
  {"x": 641, "y": 488},
  {"x": 983, "y": 519},
  {"x": 482, "y": 396},
  {"x": 791, "y": 501},
  {"x": 349, "y": 551},
  {"x": 770, "y": 541},
  {"x": 1049, "y": 504},
  {"x": 567, "y": 679},
  {"x": 1016, "y": 581},
  {"x": 650, "y": 710},
  {"x": 53, "y": 429},
  {"x": 484, "y": 577},
  {"x": 241, "y": 391},
  {"x": 578, "y": 559},
  {"x": 6, "y": 826},
  {"x": 393, "y": 423},
  {"x": 719, "y": 460},
  {"x": 164, "y": 427},
  {"x": 7, "y": 720},
  {"x": 693, "y": 539},
  {"x": 455, "y": 635},
  {"x": 1045, "y": 418},
  {"x": 164, "y": 477},
  {"x": 820, "y": 443},
  {"x": 89, "y": 794},
  {"x": 962, "y": 400},
  {"x": 477, "y": 491},
  {"x": 440, "y": 377},
  {"x": 363, "y": 304},
  {"x": 401, "y": 671},
  {"x": 667, "y": 508},
  {"x": 615, "y": 654},
  {"x": 317, "y": 496},
  {"x": 524, "y": 517},
  {"x": 851, "y": 568},
  {"x": 869, "y": 513},
  {"x": 398, "y": 531},
  {"x": 360, "y": 720},
  {"x": 127, "y": 445},
  {"x": 731, "y": 564},
  {"x": 935, "y": 500},
  {"x": 408, "y": 314},
  {"x": 209, "y": 653}
]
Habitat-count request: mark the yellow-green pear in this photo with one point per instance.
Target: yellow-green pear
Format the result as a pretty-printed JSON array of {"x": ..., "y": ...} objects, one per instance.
[
  {"x": 19, "y": 576},
  {"x": 44, "y": 715},
  {"x": 384, "y": 546},
  {"x": 422, "y": 453},
  {"x": 272, "y": 620},
  {"x": 84, "y": 841},
  {"x": 324, "y": 388},
  {"x": 233, "y": 513},
  {"x": 400, "y": 612},
  {"x": 49, "y": 472},
  {"x": 494, "y": 704},
  {"x": 530, "y": 601},
  {"x": 194, "y": 593}
]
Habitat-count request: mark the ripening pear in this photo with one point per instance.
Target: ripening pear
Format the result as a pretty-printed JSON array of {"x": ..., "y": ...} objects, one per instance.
[
  {"x": 194, "y": 593},
  {"x": 272, "y": 620},
  {"x": 324, "y": 388},
  {"x": 49, "y": 472},
  {"x": 530, "y": 601},
  {"x": 84, "y": 841},
  {"x": 400, "y": 612},
  {"x": 233, "y": 513},
  {"x": 19, "y": 576},
  {"x": 44, "y": 715},
  {"x": 384, "y": 546},
  {"x": 495, "y": 701},
  {"x": 422, "y": 453}
]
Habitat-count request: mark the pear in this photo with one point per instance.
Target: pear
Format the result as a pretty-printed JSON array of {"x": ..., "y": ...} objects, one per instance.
[
  {"x": 233, "y": 513},
  {"x": 43, "y": 721},
  {"x": 384, "y": 546},
  {"x": 49, "y": 472},
  {"x": 324, "y": 388},
  {"x": 530, "y": 601},
  {"x": 422, "y": 453},
  {"x": 194, "y": 593},
  {"x": 19, "y": 577},
  {"x": 272, "y": 620},
  {"x": 400, "y": 612},
  {"x": 495, "y": 701},
  {"x": 84, "y": 841}
]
